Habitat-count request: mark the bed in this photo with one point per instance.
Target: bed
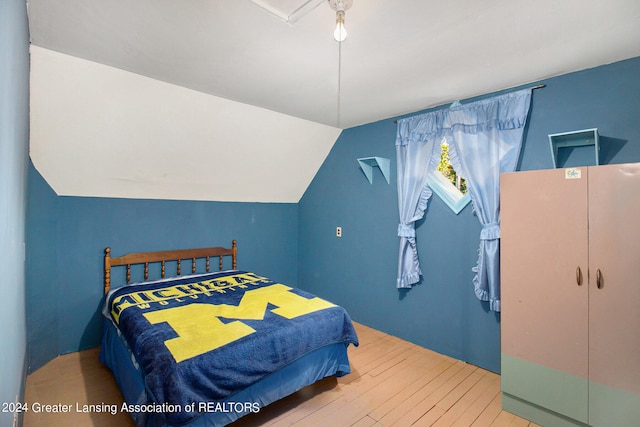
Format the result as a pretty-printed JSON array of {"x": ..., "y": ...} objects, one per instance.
[{"x": 208, "y": 347}]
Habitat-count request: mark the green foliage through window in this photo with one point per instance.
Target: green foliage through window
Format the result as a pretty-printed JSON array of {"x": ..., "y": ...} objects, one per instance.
[{"x": 445, "y": 168}]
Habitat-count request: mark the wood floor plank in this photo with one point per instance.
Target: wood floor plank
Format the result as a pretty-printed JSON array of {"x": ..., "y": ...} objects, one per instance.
[
  {"x": 381, "y": 393},
  {"x": 352, "y": 397},
  {"x": 365, "y": 422},
  {"x": 461, "y": 389},
  {"x": 519, "y": 422},
  {"x": 504, "y": 419},
  {"x": 397, "y": 356},
  {"x": 393, "y": 383},
  {"x": 430, "y": 418},
  {"x": 460, "y": 407},
  {"x": 435, "y": 395},
  {"x": 377, "y": 354},
  {"x": 74, "y": 379},
  {"x": 415, "y": 402},
  {"x": 474, "y": 410},
  {"x": 400, "y": 399},
  {"x": 491, "y": 412}
]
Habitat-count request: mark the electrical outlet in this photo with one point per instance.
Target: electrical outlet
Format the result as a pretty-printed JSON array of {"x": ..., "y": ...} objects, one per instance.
[{"x": 338, "y": 231}]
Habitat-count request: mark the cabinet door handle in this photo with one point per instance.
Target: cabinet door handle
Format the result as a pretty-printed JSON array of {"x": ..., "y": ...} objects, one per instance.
[
  {"x": 578, "y": 276},
  {"x": 599, "y": 279}
]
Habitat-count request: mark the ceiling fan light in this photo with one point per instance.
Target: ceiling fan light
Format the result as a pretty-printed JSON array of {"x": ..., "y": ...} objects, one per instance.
[{"x": 340, "y": 33}]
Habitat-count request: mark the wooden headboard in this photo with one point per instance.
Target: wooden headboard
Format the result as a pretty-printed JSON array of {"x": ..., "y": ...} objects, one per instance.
[{"x": 164, "y": 256}]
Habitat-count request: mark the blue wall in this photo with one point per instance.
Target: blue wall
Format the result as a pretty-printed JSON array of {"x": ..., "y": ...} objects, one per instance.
[
  {"x": 359, "y": 269},
  {"x": 42, "y": 279},
  {"x": 14, "y": 142},
  {"x": 67, "y": 237}
]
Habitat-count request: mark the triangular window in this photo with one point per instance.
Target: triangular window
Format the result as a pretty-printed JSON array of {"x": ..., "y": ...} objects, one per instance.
[
  {"x": 447, "y": 184},
  {"x": 446, "y": 169}
]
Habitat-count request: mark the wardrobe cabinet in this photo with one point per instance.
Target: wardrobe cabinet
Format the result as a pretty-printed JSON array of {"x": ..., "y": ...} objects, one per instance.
[{"x": 570, "y": 295}]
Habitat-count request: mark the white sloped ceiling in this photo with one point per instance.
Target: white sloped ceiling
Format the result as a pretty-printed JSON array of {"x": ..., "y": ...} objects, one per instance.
[{"x": 100, "y": 131}]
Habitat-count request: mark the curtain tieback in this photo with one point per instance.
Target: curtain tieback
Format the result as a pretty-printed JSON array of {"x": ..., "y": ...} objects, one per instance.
[
  {"x": 406, "y": 230},
  {"x": 490, "y": 231}
]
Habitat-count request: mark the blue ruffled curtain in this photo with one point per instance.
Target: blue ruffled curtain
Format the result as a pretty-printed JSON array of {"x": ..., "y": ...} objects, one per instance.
[
  {"x": 485, "y": 138},
  {"x": 415, "y": 145}
]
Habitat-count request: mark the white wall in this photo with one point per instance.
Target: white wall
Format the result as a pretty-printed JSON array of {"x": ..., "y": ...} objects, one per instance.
[{"x": 100, "y": 131}]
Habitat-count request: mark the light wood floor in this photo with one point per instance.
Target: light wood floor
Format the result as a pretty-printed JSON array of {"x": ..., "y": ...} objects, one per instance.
[{"x": 393, "y": 383}]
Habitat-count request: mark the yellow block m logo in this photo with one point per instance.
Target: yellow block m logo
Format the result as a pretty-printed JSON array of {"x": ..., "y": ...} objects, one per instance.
[{"x": 200, "y": 330}]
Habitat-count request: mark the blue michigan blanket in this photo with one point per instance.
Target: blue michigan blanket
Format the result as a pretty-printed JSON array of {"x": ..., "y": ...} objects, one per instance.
[{"x": 204, "y": 338}]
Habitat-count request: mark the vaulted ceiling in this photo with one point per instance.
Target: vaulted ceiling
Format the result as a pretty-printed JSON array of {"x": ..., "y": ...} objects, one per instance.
[{"x": 279, "y": 57}]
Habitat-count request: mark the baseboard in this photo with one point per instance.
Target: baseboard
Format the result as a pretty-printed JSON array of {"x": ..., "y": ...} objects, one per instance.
[{"x": 537, "y": 414}]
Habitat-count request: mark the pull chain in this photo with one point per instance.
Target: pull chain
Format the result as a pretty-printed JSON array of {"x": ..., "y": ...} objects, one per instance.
[{"x": 339, "y": 83}]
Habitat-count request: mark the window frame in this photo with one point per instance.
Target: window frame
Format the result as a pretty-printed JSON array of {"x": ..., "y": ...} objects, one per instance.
[{"x": 448, "y": 193}]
